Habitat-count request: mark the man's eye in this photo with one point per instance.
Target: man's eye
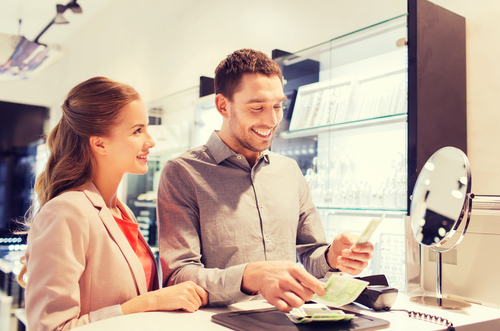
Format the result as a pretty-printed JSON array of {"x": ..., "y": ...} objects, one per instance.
[{"x": 257, "y": 109}]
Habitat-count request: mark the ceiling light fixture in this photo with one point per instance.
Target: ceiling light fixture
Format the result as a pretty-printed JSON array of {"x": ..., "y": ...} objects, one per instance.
[
  {"x": 21, "y": 58},
  {"x": 59, "y": 18}
]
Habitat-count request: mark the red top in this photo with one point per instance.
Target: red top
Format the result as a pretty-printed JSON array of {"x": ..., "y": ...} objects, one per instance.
[{"x": 131, "y": 232}]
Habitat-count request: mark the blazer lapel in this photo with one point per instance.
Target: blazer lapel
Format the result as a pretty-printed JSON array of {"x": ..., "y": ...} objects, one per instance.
[{"x": 115, "y": 232}]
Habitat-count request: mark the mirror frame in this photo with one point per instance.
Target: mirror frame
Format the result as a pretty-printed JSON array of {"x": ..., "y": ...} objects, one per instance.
[{"x": 454, "y": 236}]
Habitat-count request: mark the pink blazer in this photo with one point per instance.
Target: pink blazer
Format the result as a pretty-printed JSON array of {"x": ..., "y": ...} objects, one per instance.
[{"x": 80, "y": 266}]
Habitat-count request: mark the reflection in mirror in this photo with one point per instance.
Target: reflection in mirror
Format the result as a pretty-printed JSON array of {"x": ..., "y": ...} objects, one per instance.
[{"x": 440, "y": 197}]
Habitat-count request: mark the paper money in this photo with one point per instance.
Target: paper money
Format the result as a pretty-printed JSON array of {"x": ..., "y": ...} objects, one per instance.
[
  {"x": 368, "y": 231},
  {"x": 341, "y": 291},
  {"x": 317, "y": 312}
]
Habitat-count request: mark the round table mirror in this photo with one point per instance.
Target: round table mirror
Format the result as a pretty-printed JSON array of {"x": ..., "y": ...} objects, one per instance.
[{"x": 440, "y": 211}]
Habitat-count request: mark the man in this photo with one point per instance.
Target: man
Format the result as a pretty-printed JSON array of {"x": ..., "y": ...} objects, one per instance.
[{"x": 233, "y": 216}]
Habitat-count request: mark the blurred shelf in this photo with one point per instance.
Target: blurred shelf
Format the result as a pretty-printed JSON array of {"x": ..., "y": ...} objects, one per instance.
[
  {"x": 149, "y": 204},
  {"x": 158, "y": 154},
  {"x": 395, "y": 118},
  {"x": 363, "y": 211}
]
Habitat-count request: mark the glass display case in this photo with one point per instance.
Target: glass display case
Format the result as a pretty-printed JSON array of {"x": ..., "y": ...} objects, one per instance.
[
  {"x": 357, "y": 126},
  {"x": 172, "y": 136},
  {"x": 348, "y": 133}
]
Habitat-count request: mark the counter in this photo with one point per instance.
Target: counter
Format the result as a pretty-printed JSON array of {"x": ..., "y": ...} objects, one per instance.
[{"x": 473, "y": 318}]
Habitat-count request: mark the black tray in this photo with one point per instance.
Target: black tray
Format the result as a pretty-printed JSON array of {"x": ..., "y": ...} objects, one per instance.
[{"x": 274, "y": 320}]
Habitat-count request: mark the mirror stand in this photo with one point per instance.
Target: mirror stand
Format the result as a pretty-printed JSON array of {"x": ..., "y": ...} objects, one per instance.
[
  {"x": 438, "y": 301},
  {"x": 478, "y": 203}
]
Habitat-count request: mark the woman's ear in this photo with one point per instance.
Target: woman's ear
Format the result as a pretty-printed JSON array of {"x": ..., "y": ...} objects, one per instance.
[
  {"x": 97, "y": 145},
  {"x": 221, "y": 103}
]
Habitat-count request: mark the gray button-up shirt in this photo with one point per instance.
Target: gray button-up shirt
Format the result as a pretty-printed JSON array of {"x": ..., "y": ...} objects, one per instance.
[{"x": 216, "y": 214}]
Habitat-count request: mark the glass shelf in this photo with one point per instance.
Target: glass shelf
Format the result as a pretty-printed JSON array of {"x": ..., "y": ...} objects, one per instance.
[
  {"x": 372, "y": 38},
  {"x": 394, "y": 118}
]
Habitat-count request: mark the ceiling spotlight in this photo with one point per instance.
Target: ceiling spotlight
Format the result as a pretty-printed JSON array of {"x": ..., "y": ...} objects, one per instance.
[
  {"x": 74, "y": 7},
  {"x": 60, "y": 9},
  {"x": 59, "y": 18}
]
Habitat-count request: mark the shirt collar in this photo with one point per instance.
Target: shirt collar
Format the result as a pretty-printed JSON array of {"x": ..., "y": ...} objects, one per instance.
[
  {"x": 265, "y": 155},
  {"x": 220, "y": 151}
]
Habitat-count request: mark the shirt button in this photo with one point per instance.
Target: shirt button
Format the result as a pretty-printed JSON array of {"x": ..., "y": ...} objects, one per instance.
[
  {"x": 261, "y": 205},
  {"x": 267, "y": 239},
  {"x": 239, "y": 157}
]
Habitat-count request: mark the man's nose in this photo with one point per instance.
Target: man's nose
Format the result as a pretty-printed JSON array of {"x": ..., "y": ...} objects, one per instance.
[{"x": 272, "y": 117}]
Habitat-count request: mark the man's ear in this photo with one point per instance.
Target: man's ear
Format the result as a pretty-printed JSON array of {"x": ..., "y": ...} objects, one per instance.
[
  {"x": 221, "y": 103},
  {"x": 97, "y": 145}
]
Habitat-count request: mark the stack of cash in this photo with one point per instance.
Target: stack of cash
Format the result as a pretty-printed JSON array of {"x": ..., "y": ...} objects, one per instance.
[
  {"x": 339, "y": 291},
  {"x": 317, "y": 312}
]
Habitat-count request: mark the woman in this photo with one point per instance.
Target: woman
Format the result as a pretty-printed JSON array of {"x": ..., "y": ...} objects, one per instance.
[{"x": 86, "y": 260}]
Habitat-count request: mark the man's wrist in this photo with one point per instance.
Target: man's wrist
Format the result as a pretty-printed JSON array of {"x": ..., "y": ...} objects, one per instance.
[
  {"x": 327, "y": 250},
  {"x": 247, "y": 285}
]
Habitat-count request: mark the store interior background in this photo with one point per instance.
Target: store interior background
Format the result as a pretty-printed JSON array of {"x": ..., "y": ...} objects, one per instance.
[{"x": 163, "y": 47}]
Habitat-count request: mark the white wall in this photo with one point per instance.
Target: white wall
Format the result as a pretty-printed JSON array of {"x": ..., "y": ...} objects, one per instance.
[
  {"x": 161, "y": 47},
  {"x": 483, "y": 84}
]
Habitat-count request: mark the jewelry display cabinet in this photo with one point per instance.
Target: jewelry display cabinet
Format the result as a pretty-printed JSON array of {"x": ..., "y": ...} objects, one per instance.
[{"x": 365, "y": 111}]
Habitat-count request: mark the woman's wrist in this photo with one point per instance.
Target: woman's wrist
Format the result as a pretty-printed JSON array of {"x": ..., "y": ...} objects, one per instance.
[{"x": 142, "y": 303}]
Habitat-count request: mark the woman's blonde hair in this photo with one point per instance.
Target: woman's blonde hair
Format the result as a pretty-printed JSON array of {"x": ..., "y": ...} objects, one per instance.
[{"x": 91, "y": 108}]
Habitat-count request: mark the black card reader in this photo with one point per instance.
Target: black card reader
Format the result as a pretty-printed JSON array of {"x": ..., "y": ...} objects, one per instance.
[{"x": 378, "y": 295}]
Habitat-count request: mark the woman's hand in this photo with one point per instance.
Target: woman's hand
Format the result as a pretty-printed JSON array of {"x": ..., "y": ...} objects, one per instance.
[{"x": 186, "y": 296}]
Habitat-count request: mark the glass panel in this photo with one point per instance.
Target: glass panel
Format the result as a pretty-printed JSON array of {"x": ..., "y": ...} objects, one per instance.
[
  {"x": 207, "y": 119},
  {"x": 176, "y": 108},
  {"x": 346, "y": 125},
  {"x": 140, "y": 191}
]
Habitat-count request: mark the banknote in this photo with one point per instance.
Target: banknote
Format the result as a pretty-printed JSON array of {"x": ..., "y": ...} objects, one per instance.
[
  {"x": 368, "y": 231},
  {"x": 341, "y": 291},
  {"x": 317, "y": 312}
]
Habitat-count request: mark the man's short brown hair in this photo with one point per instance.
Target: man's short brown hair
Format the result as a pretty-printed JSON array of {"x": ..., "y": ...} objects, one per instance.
[{"x": 229, "y": 72}]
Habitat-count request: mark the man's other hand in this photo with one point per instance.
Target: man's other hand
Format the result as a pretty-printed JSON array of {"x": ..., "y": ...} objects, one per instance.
[{"x": 350, "y": 260}]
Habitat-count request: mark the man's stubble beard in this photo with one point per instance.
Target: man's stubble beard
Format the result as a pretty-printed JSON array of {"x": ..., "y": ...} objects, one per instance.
[{"x": 234, "y": 120}]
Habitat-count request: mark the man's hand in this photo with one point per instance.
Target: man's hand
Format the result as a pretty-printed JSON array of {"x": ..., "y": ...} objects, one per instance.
[
  {"x": 283, "y": 284},
  {"x": 351, "y": 261}
]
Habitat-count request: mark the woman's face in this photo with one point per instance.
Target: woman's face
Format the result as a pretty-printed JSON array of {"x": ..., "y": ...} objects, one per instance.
[{"x": 129, "y": 141}]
